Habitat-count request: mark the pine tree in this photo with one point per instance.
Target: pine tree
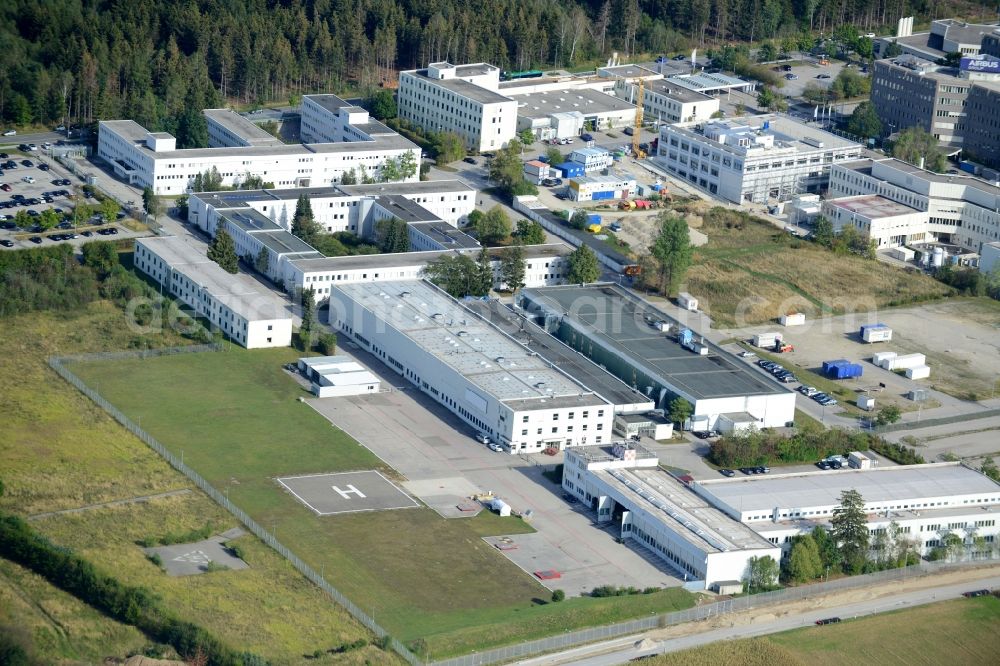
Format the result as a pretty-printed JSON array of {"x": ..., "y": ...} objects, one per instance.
[
  {"x": 484, "y": 273},
  {"x": 303, "y": 224},
  {"x": 222, "y": 251},
  {"x": 850, "y": 531},
  {"x": 512, "y": 267},
  {"x": 672, "y": 248},
  {"x": 307, "y": 330}
]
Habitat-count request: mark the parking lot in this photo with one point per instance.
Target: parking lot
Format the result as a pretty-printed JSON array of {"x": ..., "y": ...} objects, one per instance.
[{"x": 32, "y": 183}]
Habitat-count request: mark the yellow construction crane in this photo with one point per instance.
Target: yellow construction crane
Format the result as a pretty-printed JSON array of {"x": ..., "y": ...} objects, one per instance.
[{"x": 637, "y": 130}]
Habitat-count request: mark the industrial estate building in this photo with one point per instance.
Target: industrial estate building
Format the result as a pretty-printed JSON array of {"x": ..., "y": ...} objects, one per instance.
[
  {"x": 955, "y": 104},
  {"x": 473, "y": 369},
  {"x": 239, "y": 149},
  {"x": 901, "y": 204},
  {"x": 642, "y": 346},
  {"x": 925, "y": 502},
  {"x": 337, "y": 376},
  {"x": 624, "y": 485},
  {"x": 753, "y": 159},
  {"x": 247, "y": 313},
  {"x": 459, "y": 98},
  {"x": 567, "y": 111},
  {"x": 708, "y": 530}
]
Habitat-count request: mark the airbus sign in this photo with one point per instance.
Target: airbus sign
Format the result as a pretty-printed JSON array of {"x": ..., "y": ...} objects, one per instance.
[{"x": 983, "y": 63}]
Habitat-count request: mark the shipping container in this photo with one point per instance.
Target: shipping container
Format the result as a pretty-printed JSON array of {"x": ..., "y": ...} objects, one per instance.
[
  {"x": 570, "y": 169},
  {"x": 687, "y": 301},
  {"x": 831, "y": 364},
  {"x": 876, "y": 333},
  {"x": 918, "y": 372},
  {"x": 794, "y": 319},
  {"x": 904, "y": 362},
  {"x": 602, "y": 196},
  {"x": 878, "y": 358}
]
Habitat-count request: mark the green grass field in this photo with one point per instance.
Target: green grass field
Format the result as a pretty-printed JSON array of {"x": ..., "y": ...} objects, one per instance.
[
  {"x": 235, "y": 417},
  {"x": 957, "y": 632},
  {"x": 59, "y": 451}
]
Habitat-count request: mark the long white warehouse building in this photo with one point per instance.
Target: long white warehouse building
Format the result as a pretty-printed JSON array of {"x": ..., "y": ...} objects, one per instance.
[
  {"x": 245, "y": 312},
  {"x": 924, "y": 503},
  {"x": 347, "y": 140},
  {"x": 637, "y": 343},
  {"x": 492, "y": 382},
  {"x": 625, "y": 486}
]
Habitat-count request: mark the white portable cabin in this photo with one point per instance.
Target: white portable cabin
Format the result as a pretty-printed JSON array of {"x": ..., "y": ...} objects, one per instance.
[
  {"x": 918, "y": 372},
  {"x": 687, "y": 301},
  {"x": 793, "y": 319},
  {"x": 866, "y": 402},
  {"x": 904, "y": 362},
  {"x": 879, "y": 358},
  {"x": 767, "y": 339},
  {"x": 877, "y": 334},
  {"x": 859, "y": 460}
]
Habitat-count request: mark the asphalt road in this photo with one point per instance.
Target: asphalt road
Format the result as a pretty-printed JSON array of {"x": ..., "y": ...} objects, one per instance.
[
  {"x": 38, "y": 137},
  {"x": 622, "y": 650}
]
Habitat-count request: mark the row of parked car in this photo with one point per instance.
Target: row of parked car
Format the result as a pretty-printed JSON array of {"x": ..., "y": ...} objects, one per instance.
[
  {"x": 818, "y": 396},
  {"x": 749, "y": 471},
  {"x": 779, "y": 372}
]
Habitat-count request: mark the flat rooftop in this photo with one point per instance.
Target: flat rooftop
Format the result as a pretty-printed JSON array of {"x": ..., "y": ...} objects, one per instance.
[
  {"x": 684, "y": 512},
  {"x": 582, "y": 100},
  {"x": 623, "y": 323},
  {"x": 464, "y": 88},
  {"x": 331, "y": 103},
  {"x": 240, "y": 198},
  {"x": 706, "y": 82},
  {"x": 680, "y": 93},
  {"x": 904, "y": 483},
  {"x": 550, "y": 348},
  {"x": 241, "y": 293},
  {"x": 405, "y": 209},
  {"x": 788, "y": 134},
  {"x": 241, "y": 127},
  {"x": 269, "y": 233},
  {"x": 413, "y": 259},
  {"x": 473, "y": 348},
  {"x": 629, "y": 72},
  {"x": 445, "y": 234},
  {"x": 872, "y": 206}
]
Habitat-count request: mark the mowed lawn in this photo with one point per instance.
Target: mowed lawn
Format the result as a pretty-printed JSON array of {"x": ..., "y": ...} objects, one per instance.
[
  {"x": 236, "y": 418},
  {"x": 956, "y": 632}
]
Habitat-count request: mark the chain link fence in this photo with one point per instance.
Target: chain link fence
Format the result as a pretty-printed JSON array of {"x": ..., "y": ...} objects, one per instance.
[
  {"x": 58, "y": 365},
  {"x": 639, "y": 625},
  {"x": 507, "y": 653}
]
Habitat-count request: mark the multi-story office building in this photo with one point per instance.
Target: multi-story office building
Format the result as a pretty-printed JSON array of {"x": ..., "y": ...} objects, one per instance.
[
  {"x": 910, "y": 92},
  {"x": 463, "y": 99},
  {"x": 948, "y": 208},
  {"x": 759, "y": 158},
  {"x": 240, "y": 149},
  {"x": 665, "y": 101},
  {"x": 235, "y": 304},
  {"x": 982, "y": 124},
  {"x": 473, "y": 369}
]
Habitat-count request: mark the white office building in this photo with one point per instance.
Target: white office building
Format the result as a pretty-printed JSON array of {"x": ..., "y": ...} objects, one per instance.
[
  {"x": 758, "y": 159},
  {"x": 240, "y": 149},
  {"x": 887, "y": 222},
  {"x": 243, "y": 310},
  {"x": 665, "y": 101},
  {"x": 463, "y": 99},
  {"x": 932, "y": 207},
  {"x": 568, "y": 111},
  {"x": 487, "y": 378},
  {"x": 925, "y": 503},
  {"x": 338, "y": 376},
  {"x": 652, "y": 510},
  {"x": 592, "y": 159}
]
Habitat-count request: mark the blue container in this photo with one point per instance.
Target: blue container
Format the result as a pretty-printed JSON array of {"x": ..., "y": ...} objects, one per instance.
[
  {"x": 571, "y": 169},
  {"x": 686, "y": 336},
  {"x": 593, "y": 218},
  {"x": 829, "y": 365},
  {"x": 600, "y": 196},
  {"x": 967, "y": 167}
]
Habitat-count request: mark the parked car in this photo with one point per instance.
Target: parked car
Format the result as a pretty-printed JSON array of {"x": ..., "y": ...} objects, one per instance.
[
  {"x": 727, "y": 472},
  {"x": 5, "y": 187},
  {"x": 35, "y": 239},
  {"x": 43, "y": 167},
  {"x": 975, "y": 593},
  {"x": 28, "y": 179},
  {"x": 828, "y": 620},
  {"x": 747, "y": 354},
  {"x": 629, "y": 131},
  {"x": 823, "y": 76},
  {"x": 586, "y": 137},
  {"x": 10, "y": 132},
  {"x": 807, "y": 391},
  {"x": 481, "y": 437},
  {"x": 495, "y": 447},
  {"x": 6, "y": 243}
]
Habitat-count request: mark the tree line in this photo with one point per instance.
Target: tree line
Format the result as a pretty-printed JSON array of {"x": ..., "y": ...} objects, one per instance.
[
  {"x": 132, "y": 605},
  {"x": 162, "y": 63}
]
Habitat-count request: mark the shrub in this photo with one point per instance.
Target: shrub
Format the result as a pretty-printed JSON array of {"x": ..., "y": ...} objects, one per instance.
[
  {"x": 558, "y": 595},
  {"x": 235, "y": 550},
  {"x": 156, "y": 559},
  {"x": 215, "y": 566},
  {"x": 383, "y": 642}
]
